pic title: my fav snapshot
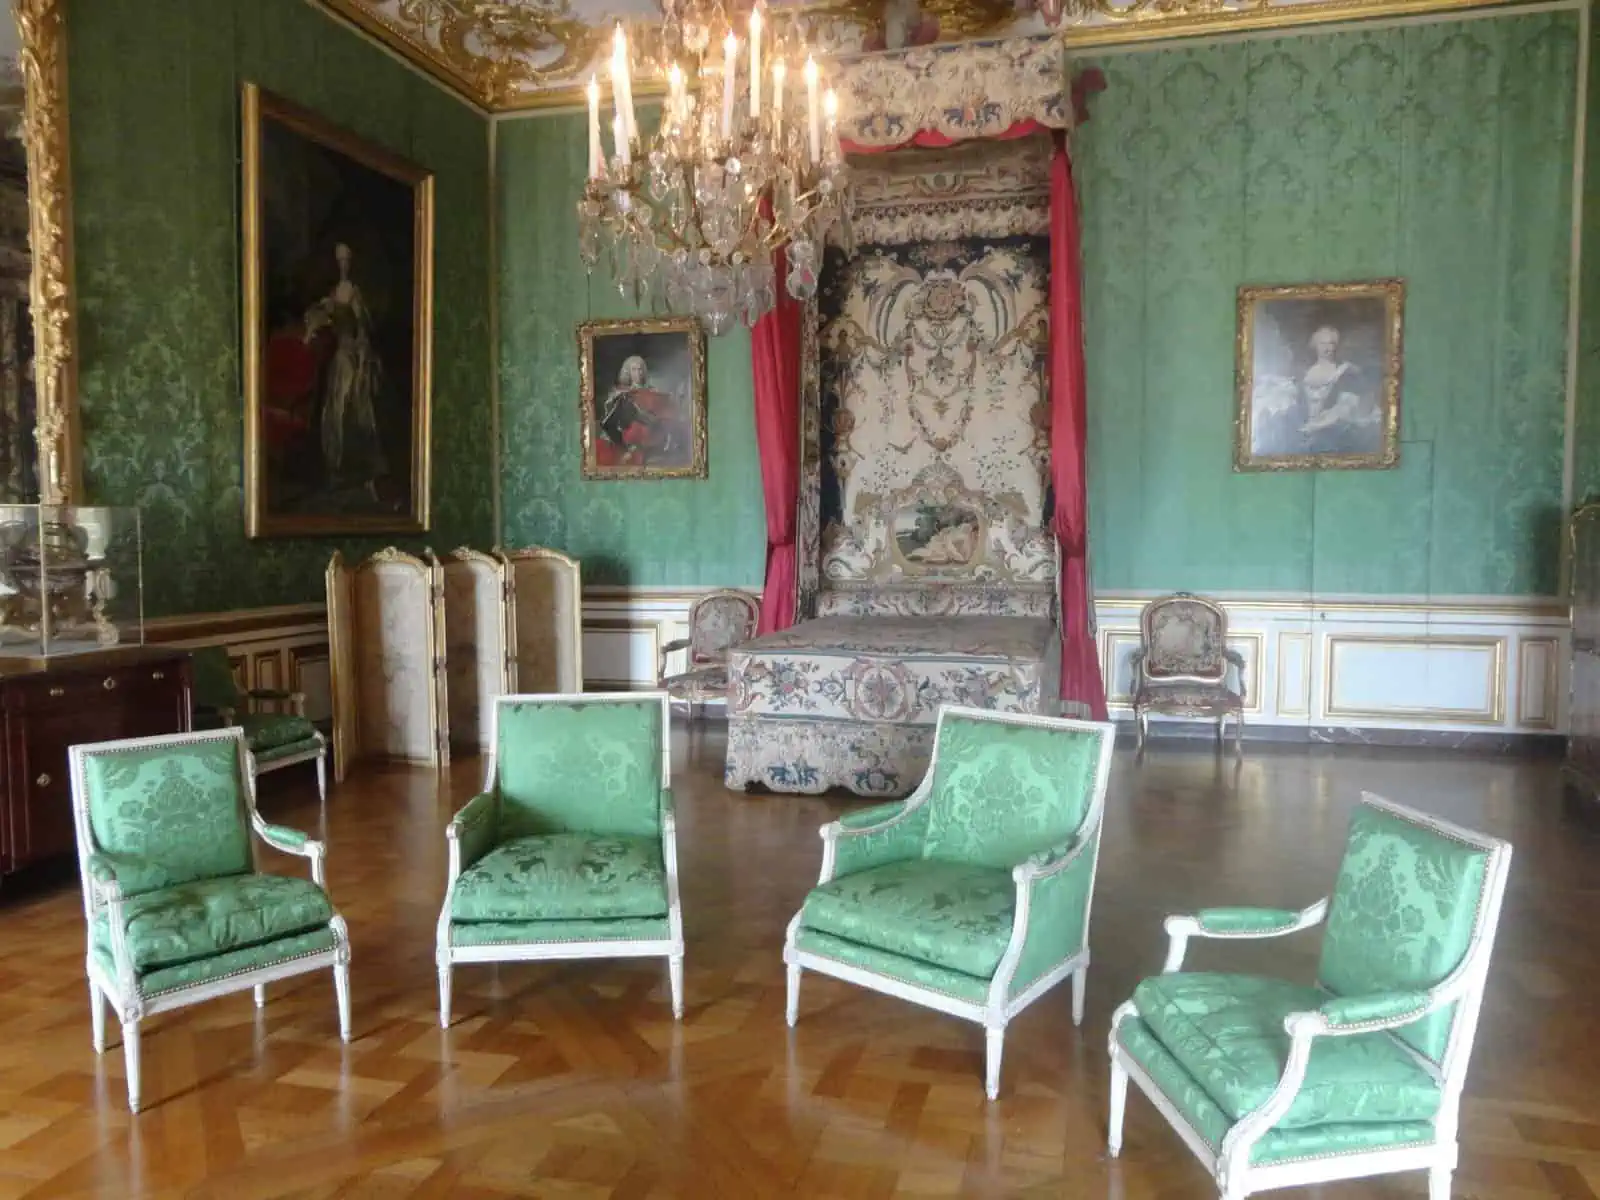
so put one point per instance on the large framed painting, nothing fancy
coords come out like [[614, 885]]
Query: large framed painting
[[643, 392], [1319, 376], [338, 328]]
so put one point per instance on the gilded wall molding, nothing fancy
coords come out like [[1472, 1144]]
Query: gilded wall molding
[[538, 53], [42, 26]]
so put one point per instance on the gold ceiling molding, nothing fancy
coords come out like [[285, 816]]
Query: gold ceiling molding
[[513, 55], [43, 60]]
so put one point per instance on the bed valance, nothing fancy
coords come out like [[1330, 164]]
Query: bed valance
[[936, 96]]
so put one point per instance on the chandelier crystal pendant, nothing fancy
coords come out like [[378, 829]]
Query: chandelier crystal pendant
[[694, 214]]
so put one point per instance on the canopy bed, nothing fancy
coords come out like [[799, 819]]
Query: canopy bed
[[928, 526]]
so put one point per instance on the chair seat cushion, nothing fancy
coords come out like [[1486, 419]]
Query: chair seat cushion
[[700, 685], [564, 877], [1187, 697], [1226, 1031], [952, 915], [207, 917], [268, 731]]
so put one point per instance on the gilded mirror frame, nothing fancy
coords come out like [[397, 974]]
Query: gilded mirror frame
[[41, 25]]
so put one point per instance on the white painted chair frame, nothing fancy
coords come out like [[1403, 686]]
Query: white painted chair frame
[[997, 1012], [670, 948], [320, 754], [1230, 1163], [122, 990]]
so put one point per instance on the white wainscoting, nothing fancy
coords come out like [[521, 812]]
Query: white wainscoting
[[1457, 664], [1490, 664]]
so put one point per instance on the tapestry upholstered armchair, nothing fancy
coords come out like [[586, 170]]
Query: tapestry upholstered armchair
[[1272, 1084], [274, 722], [570, 850], [1181, 665], [972, 895], [718, 621], [177, 912]]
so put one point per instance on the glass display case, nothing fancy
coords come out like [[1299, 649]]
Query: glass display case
[[70, 579]]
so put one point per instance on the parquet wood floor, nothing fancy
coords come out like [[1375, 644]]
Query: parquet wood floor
[[573, 1080]]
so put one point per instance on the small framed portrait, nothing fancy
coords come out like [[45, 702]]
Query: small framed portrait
[[1319, 376], [643, 386]]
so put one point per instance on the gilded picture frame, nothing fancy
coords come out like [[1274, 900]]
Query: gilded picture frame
[[642, 398], [1318, 373], [337, 328]]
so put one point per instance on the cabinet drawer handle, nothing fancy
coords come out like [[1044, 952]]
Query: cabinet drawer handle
[[43, 781], [158, 674], [109, 683], [58, 691]]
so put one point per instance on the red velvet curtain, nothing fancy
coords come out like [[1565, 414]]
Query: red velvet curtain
[[775, 360], [1081, 685]]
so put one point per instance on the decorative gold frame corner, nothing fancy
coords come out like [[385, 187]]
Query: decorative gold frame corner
[[587, 332], [1393, 293], [41, 25], [256, 107]]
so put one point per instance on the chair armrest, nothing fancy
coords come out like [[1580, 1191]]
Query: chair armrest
[[1054, 890], [1236, 923], [671, 647], [471, 834], [103, 878], [107, 897], [873, 837], [292, 841], [1374, 1010], [1056, 858], [224, 713]]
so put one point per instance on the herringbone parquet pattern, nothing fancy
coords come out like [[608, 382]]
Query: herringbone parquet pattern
[[573, 1081]]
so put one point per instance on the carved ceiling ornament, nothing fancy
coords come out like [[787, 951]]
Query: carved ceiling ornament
[[506, 55]]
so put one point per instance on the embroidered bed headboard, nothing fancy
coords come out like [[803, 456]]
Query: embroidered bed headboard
[[925, 416]]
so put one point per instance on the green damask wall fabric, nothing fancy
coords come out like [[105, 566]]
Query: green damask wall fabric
[[643, 533], [1441, 153], [155, 152], [1586, 424]]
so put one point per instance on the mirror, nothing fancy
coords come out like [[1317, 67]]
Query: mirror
[[19, 449]]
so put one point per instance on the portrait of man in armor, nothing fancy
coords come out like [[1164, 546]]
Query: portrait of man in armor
[[644, 399]]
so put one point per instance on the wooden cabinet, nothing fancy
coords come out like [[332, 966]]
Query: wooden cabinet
[[66, 702]]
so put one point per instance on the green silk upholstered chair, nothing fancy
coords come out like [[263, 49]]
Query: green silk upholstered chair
[[1272, 1084], [972, 895], [570, 851], [177, 912], [274, 722]]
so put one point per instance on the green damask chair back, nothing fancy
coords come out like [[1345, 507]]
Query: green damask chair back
[[214, 685], [165, 819], [580, 766], [1403, 915], [1001, 792]]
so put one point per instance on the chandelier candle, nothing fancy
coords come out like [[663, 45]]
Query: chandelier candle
[[621, 83], [596, 156], [730, 76], [755, 63], [811, 110], [779, 70]]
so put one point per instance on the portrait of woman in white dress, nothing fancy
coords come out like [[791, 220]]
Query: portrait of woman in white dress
[[1319, 376], [339, 389]]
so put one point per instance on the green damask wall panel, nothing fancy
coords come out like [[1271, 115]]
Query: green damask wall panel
[[154, 106], [1586, 439], [1441, 153], [660, 533]]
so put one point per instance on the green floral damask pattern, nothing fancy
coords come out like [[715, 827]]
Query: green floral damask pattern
[[233, 962], [895, 966], [498, 933], [1227, 1033], [1277, 1145], [957, 916], [167, 816], [563, 877], [1402, 915], [1440, 153], [176, 925], [1002, 792], [156, 181], [593, 768], [641, 532]]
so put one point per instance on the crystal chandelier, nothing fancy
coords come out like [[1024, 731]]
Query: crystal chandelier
[[733, 173]]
